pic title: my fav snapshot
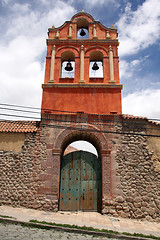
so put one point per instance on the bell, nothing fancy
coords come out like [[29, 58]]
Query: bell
[[82, 33], [68, 66], [95, 66]]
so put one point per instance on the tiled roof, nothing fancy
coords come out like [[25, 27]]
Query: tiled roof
[[18, 126], [32, 126], [126, 116]]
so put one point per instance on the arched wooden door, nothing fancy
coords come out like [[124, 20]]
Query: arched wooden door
[[80, 182]]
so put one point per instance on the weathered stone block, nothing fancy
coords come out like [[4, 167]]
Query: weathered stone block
[[151, 211], [119, 199]]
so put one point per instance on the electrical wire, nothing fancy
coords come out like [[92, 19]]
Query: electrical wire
[[82, 120], [19, 110], [18, 116], [69, 121], [42, 124], [96, 130], [56, 110]]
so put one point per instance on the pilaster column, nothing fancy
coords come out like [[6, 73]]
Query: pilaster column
[[111, 67], [94, 31], [56, 171], [106, 173], [52, 64], [57, 34], [70, 31], [82, 65], [108, 35]]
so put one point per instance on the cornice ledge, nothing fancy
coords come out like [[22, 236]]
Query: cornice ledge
[[81, 85], [52, 40]]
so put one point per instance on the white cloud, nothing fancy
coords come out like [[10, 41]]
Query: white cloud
[[128, 68], [139, 29], [24, 20], [5, 2], [21, 51], [95, 2], [90, 4], [143, 103], [45, 2], [20, 73], [20, 8]]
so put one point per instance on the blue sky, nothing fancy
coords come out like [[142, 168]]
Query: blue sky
[[23, 31]]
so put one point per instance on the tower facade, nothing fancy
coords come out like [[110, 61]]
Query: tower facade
[[81, 101], [91, 83]]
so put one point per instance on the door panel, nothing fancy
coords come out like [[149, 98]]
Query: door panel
[[80, 186]]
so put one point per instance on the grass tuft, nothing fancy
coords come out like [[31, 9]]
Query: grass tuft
[[4, 216], [95, 229]]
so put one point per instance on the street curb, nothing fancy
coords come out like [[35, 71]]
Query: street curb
[[72, 230]]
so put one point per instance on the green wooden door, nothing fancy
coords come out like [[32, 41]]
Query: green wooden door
[[80, 184]]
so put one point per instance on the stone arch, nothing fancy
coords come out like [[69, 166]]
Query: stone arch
[[100, 142], [97, 138], [67, 48], [97, 48], [84, 15]]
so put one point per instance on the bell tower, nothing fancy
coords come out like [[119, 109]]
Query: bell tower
[[82, 68]]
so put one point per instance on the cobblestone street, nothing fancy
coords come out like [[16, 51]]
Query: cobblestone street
[[88, 219], [18, 232]]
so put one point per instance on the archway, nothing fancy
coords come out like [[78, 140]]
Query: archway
[[96, 57], [82, 28], [80, 176], [67, 57]]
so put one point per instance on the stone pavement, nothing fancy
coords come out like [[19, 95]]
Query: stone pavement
[[89, 219], [17, 232]]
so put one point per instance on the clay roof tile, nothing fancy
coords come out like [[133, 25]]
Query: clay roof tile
[[18, 126]]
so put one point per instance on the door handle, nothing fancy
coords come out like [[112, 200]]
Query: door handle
[[83, 196]]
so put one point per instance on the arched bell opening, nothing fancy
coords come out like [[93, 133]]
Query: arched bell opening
[[67, 64], [82, 29], [96, 65], [80, 175]]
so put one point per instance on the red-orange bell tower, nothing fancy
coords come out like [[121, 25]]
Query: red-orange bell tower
[[91, 83]]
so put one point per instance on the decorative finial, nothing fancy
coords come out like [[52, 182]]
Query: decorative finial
[[82, 9], [112, 27], [53, 26]]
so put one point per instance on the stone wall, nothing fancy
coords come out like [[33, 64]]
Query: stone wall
[[130, 166], [138, 168], [20, 174], [153, 144]]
